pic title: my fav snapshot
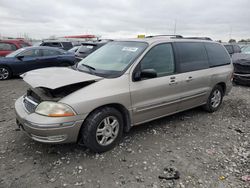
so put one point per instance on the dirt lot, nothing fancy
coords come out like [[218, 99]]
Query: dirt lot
[[208, 150]]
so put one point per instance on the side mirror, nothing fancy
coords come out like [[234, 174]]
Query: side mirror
[[145, 73], [20, 57]]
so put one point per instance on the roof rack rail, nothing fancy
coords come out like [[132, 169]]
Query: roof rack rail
[[174, 36], [198, 38]]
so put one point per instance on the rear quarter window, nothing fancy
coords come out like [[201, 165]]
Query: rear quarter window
[[192, 56], [217, 55]]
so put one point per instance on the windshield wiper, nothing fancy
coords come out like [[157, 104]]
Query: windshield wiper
[[89, 67]]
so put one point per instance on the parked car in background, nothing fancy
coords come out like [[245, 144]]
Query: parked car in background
[[232, 48], [87, 48], [246, 49], [241, 62], [8, 46], [29, 58], [122, 84], [65, 45], [242, 46], [74, 49]]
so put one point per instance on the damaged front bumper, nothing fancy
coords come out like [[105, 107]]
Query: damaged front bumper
[[242, 71], [48, 129], [242, 78]]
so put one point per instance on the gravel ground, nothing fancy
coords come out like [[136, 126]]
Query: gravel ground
[[208, 150]]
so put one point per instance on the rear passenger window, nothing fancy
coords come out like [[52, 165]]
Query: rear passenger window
[[160, 58], [217, 55], [50, 52], [192, 56]]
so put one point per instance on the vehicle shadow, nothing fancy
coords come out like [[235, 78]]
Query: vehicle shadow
[[169, 124]]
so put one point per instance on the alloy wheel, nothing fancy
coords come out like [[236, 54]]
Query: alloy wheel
[[4, 73], [216, 98], [107, 130]]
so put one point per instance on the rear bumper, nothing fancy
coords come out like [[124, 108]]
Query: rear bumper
[[47, 129]]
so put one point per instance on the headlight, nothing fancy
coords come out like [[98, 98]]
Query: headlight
[[54, 109]]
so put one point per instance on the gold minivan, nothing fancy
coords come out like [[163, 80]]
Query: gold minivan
[[123, 84]]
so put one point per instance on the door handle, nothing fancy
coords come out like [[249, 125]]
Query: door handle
[[190, 78], [172, 82]]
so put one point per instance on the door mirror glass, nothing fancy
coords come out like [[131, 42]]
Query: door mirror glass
[[145, 74], [148, 73], [20, 57]]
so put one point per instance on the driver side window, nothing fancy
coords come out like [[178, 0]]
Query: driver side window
[[31, 53], [161, 59]]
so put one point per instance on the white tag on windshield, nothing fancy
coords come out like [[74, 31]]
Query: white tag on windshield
[[130, 49]]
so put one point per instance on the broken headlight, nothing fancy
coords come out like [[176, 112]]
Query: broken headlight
[[54, 109]]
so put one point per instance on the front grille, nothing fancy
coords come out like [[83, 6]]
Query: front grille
[[29, 104]]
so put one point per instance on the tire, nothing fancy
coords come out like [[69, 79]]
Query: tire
[[5, 73], [102, 129], [214, 100]]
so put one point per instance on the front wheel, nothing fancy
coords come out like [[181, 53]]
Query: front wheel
[[214, 100], [5, 73], [103, 129]]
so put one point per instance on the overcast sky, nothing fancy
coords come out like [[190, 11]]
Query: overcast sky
[[125, 18]]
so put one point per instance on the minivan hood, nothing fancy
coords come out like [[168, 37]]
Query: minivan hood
[[56, 77]]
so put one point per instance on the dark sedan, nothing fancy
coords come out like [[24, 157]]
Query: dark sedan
[[241, 62], [29, 58]]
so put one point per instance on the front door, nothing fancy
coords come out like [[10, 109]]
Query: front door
[[155, 97], [28, 60]]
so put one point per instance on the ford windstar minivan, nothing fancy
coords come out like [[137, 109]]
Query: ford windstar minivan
[[123, 84]]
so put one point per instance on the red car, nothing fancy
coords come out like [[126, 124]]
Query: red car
[[10, 45]]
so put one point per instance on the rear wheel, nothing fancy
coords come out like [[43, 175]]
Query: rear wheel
[[103, 129], [5, 73], [214, 100]]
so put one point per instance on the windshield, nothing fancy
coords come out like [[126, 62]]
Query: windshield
[[112, 59], [15, 53], [246, 50]]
